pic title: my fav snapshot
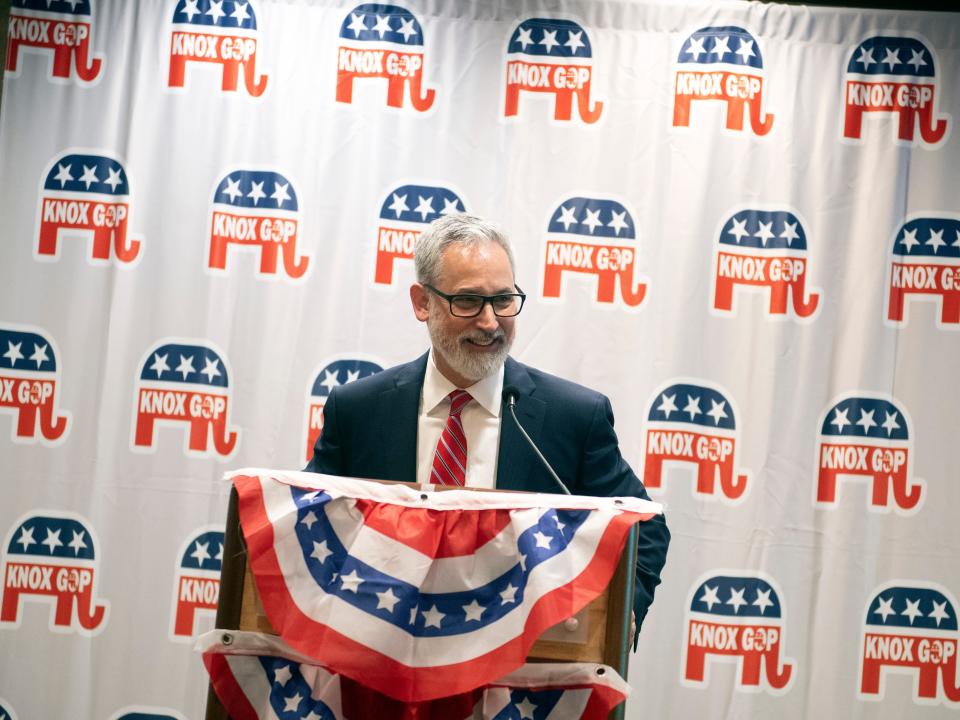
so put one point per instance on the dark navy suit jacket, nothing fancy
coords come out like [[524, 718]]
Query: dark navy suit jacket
[[370, 431]]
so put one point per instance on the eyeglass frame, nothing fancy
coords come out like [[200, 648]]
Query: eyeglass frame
[[485, 299]]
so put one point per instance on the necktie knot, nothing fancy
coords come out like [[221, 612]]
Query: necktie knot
[[458, 401]]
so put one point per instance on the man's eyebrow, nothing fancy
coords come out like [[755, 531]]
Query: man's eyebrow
[[476, 291]]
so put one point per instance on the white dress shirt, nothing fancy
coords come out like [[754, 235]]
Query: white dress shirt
[[481, 424]]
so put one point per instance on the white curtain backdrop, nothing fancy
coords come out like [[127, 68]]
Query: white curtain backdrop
[[740, 221]]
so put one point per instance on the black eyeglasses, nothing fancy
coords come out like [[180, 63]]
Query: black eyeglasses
[[468, 306]]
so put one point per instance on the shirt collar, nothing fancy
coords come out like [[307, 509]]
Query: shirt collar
[[485, 392]]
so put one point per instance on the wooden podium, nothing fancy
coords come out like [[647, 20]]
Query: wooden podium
[[599, 633]]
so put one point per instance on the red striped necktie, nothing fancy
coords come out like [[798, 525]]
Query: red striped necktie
[[450, 460]]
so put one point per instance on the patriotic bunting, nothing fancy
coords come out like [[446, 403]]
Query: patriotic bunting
[[422, 594], [258, 677]]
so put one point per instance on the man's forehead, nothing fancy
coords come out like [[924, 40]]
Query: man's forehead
[[477, 266]]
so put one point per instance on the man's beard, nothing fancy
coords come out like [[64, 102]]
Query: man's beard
[[473, 366]]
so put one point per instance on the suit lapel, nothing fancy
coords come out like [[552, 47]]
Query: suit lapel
[[398, 415], [515, 459]]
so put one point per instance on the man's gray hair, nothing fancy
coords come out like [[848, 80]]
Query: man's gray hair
[[450, 230]]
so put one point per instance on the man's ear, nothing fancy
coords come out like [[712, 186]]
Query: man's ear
[[420, 299]]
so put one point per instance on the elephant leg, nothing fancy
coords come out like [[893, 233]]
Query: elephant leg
[[870, 677], [735, 113], [723, 294], [47, 244], [344, 86], [881, 489], [395, 87], [144, 434], [681, 111], [230, 75], [750, 673], [950, 307], [778, 298], [895, 306], [905, 123], [563, 104], [102, 240], [62, 60], [10, 610], [175, 76], [707, 475], [13, 53], [268, 258], [652, 472], [217, 256], [827, 486], [606, 286], [27, 420], [696, 662], [199, 434], [551, 281]]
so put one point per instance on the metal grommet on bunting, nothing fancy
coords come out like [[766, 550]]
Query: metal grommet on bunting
[[227, 639], [618, 502], [601, 671], [423, 496]]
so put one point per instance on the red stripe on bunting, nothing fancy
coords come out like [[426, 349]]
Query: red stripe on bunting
[[462, 532], [343, 655], [227, 688]]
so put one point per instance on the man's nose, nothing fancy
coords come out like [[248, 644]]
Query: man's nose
[[487, 319]]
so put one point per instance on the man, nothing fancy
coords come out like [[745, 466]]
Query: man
[[413, 422]]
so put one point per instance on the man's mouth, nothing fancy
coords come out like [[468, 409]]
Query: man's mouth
[[484, 342]]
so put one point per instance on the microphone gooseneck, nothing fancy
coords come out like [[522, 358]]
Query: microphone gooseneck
[[510, 395]]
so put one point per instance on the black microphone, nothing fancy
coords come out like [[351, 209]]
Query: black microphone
[[510, 395]]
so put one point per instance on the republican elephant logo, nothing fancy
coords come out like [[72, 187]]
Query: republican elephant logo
[[722, 64], [868, 437], [62, 28], [257, 211], [383, 41], [889, 74], [29, 385], [594, 237], [405, 213], [333, 373], [216, 32], [197, 587], [925, 266], [185, 383], [737, 618], [87, 196], [764, 251], [553, 57], [50, 557], [692, 423], [911, 627]]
